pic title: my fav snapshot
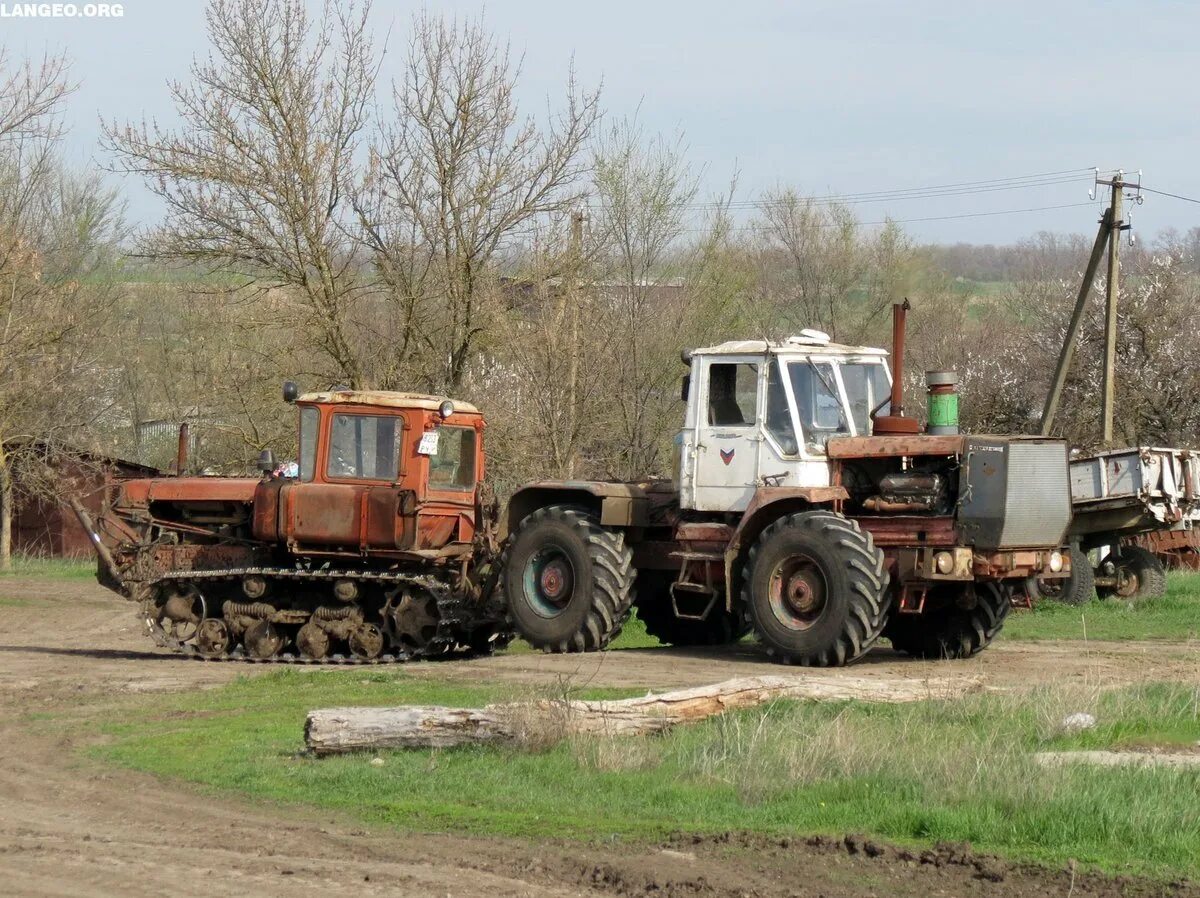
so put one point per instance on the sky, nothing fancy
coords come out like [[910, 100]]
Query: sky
[[840, 98]]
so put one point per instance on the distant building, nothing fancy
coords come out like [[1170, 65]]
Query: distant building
[[45, 527]]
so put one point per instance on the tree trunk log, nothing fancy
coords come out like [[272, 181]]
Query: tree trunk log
[[339, 730]]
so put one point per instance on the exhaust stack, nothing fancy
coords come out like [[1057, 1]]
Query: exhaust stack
[[894, 423]]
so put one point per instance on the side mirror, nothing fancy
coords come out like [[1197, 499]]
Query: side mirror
[[266, 461], [684, 386], [291, 391]]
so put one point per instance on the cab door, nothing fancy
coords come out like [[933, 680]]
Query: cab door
[[354, 498], [453, 466], [724, 450]]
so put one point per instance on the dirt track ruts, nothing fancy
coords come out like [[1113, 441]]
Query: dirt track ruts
[[71, 826]]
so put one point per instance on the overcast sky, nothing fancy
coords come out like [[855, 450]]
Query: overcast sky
[[831, 97]]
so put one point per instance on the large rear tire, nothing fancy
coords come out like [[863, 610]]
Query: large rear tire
[[569, 582], [949, 631], [1140, 575], [816, 589], [655, 611]]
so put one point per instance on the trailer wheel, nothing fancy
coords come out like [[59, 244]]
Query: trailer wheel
[[569, 582], [953, 629], [816, 589], [1140, 575], [1076, 589], [654, 610]]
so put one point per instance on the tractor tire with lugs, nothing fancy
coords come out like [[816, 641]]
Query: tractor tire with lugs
[[949, 631], [569, 581], [815, 589], [1077, 589]]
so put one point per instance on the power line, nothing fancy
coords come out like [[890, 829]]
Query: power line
[[1186, 199], [962, 188], [885, 221]]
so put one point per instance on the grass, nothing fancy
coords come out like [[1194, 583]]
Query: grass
[[51, 568], [1175, 616], [939, 770]]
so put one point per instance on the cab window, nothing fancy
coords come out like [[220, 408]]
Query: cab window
[[310, 418], [364, 447], [779, 413], [818, 404], [867, 388], [452, 467], [732, 394]]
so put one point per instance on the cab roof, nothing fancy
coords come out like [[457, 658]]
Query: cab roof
[[807, 342], [387, 399]]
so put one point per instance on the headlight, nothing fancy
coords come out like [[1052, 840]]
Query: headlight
[[944, 562], [446, 409], [1056, 564]]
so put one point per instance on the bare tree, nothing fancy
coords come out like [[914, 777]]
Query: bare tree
[[54, 304], [460, 171], [256, 180], [817, 267], [644, 185]]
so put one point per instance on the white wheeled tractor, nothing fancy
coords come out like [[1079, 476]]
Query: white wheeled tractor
[[808, 508]]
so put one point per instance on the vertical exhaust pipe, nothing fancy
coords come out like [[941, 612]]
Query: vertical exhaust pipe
[[899, 323], [894, 423]]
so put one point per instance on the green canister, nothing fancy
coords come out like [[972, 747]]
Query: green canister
[[942, 389]]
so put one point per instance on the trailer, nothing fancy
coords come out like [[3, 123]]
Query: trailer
[[1126, 503]]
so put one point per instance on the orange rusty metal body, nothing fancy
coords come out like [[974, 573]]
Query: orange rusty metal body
[[408, 515]]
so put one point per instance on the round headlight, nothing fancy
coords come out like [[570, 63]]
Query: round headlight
[[944, 562], [446, 409], [1056, 563]]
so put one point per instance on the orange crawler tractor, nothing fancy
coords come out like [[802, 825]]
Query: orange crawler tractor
[[808, 509], [371, 552]]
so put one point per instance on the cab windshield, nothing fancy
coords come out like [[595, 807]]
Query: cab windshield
[[831, 399]]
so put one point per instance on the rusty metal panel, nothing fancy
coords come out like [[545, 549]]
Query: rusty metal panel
[[266, 520], [323, 513], [703, 531], [910, 530], [435, 530], [174, 489], [894, 447]]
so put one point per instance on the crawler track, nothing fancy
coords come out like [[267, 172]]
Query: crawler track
[[455, 617]]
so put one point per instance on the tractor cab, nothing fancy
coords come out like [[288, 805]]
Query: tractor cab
[[760, 413], [379, 473]]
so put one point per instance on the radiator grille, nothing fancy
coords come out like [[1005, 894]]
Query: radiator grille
[[1037, 503]]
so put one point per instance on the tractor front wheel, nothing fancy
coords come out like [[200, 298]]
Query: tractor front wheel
[[569, 582], [816, 589], [959, 621]]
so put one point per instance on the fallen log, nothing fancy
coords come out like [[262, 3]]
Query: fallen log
[[330, 731]]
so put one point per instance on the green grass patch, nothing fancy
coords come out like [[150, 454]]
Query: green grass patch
[[51, 568], [914, 773], [1175, 616]]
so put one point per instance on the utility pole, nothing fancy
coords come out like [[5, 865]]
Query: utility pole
[[1110, 307], [1109, 233], [577, 219]]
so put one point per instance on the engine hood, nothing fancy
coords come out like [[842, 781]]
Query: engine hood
[[143, 491]]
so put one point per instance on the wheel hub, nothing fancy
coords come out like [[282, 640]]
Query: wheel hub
[[554, 580], [549, 581], [797, 592]]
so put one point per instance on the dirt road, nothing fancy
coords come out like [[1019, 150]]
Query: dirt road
[[70, 826]]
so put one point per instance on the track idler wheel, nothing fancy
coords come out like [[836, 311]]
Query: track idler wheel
[[263, 640], [366, 642], [212, 638], [313, 641], [414, 620]]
